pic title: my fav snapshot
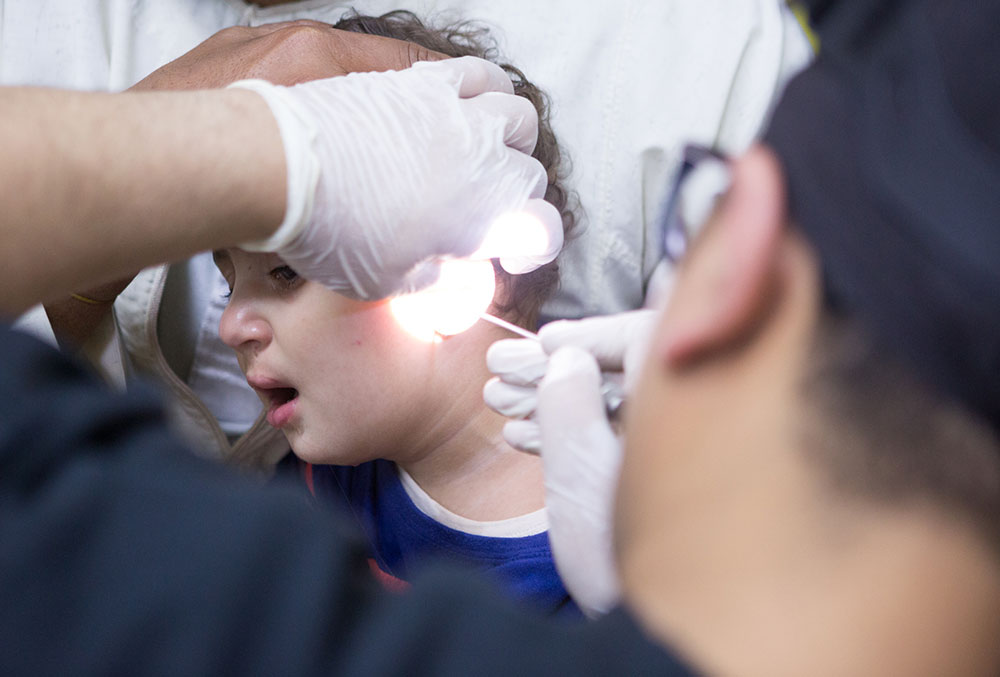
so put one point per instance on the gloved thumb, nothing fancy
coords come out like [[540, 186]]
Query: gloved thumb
[[582, 459], [618, 342], [572, 416]]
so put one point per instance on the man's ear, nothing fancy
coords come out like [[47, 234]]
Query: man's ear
[[726, 280]]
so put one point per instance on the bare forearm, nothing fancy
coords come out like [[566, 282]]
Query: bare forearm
[[75, 318], [95, 186]]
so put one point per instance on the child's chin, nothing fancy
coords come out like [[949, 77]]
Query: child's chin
[[321, 454]]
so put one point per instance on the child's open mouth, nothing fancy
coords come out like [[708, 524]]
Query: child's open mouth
[[282, 405]]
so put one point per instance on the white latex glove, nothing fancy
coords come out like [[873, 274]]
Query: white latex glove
[[387, 171], [618, 343], [560, 412], [582, 458], [519, 366]]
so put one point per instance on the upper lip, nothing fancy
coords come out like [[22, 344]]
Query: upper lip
[[269, 389]]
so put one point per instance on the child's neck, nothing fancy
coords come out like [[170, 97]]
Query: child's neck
[[460, 459]]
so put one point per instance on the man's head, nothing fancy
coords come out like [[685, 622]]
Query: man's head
[[894, 184], [813, 439]]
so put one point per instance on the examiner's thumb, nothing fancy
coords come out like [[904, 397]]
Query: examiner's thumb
[[570, 405], [582, 459], [581, 453]]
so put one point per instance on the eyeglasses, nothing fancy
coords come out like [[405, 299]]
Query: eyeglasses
[[703, 177]]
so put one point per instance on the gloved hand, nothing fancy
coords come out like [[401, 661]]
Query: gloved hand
[[390, 170], [561, 413], [618, 343], [582, 458]]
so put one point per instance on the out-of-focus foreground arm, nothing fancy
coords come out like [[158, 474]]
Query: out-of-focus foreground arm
[[191, 569], [158, 175]]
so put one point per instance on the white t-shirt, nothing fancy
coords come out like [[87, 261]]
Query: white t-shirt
[[529, 524]]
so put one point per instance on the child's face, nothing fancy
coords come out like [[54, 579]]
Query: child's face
[[337, 376]]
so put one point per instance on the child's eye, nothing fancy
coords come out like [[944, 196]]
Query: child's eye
[[284, 274]]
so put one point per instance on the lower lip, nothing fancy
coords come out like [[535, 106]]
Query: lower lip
[[279, 416]]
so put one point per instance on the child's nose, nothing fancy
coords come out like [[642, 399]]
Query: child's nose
[[243, 328]]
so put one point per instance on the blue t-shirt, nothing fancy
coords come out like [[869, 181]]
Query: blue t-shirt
[[403, 538]]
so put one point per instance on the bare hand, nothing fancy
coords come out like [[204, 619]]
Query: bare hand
[[283, 53]]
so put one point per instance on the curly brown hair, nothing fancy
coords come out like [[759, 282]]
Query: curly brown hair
[[527, 292]]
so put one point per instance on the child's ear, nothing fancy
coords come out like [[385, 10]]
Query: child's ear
[[725, 282], [504, 295]]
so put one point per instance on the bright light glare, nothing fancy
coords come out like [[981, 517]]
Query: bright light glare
[[451, 305], [513, 235]]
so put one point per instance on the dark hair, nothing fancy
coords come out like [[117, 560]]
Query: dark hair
[[880, 434], [465, 38]]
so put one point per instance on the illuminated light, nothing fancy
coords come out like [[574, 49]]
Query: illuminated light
[[463, 291], [515, 234]]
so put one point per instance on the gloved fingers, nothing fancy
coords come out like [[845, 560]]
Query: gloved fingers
[[582, 460], [523, 435], [531, 229], [535, 179], [520, 117], [550, 223], [570, 392], [421, 276], [524, 240], [510, 400], [519, 362], [367, 287], [346, 139], [578, 443], [470, 75], [608, 338]]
